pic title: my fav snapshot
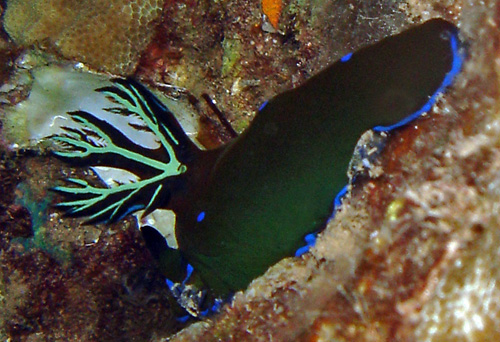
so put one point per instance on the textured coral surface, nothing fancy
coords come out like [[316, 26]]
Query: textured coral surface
[[412, 256], [107, 34]]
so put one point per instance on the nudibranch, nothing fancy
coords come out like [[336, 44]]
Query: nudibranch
[[242, 207]]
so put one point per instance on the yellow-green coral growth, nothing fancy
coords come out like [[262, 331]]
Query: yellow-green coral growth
[[106, 34]]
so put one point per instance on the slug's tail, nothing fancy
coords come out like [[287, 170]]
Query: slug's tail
[[158, 172]]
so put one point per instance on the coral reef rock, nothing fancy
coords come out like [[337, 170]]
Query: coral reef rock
[[106, 34]]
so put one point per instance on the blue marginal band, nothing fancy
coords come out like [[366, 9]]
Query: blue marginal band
[[456, 66], [130, 210], [310, 239], [263, 105], [201, 216], [346, 57]]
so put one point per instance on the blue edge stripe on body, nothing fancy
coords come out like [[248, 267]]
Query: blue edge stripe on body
[[310, 239], [456, 66]]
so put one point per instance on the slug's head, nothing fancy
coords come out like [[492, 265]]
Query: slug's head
[[399, 78]]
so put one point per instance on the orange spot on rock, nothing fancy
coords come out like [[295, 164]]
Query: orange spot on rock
[[272, 9]]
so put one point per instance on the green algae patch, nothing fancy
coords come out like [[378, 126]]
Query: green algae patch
[[232, 54], [15, 127], [39, 217], [394, 209]]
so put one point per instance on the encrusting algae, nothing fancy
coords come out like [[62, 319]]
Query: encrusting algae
[[106, 34]]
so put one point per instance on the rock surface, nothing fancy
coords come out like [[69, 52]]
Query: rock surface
[[412, 255]]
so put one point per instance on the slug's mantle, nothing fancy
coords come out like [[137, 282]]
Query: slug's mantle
[[243, 207]]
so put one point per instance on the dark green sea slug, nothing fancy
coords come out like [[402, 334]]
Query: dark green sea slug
[[244, 206]]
